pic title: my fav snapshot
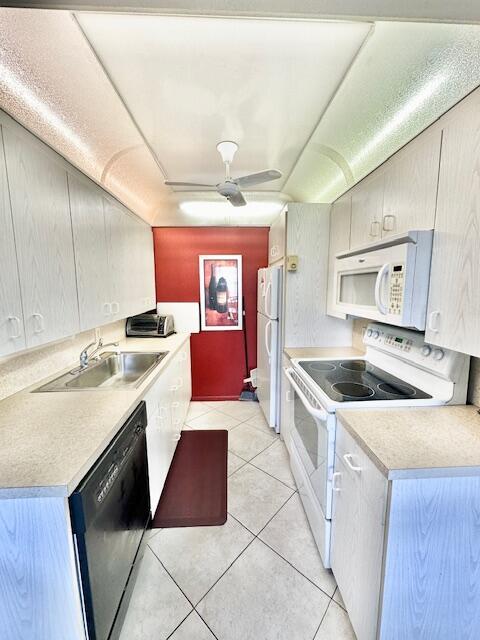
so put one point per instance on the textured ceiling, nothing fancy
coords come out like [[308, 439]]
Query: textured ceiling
[[261, 83], [52, 83], [406, 76], [275, 86]]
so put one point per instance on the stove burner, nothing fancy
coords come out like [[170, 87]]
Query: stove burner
[[354, 365], [401, 390], [321, 366], [353, 389]]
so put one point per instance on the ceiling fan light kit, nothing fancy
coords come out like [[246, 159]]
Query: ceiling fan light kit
[[230, 188]]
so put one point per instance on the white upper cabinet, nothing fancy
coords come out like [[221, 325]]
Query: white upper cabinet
[[411, 179], [91, 258], [119, 265], [367, 210], [453, 319], [44, 243], [277, 238], [12, 335], [340, 218]]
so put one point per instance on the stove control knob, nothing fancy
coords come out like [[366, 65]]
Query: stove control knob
[[426, 350], [438, 354], [369, 333], [376, 334]]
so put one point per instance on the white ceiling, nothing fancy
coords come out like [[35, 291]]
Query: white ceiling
[[135, 99], [192, 82]]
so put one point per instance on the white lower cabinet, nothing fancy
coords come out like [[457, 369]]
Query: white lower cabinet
[[167, 405], [405, 551], [358, 529]]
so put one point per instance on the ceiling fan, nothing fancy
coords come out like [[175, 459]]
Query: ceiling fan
[[230, 188]]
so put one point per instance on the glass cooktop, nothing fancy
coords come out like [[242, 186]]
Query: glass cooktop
[[358, 380]]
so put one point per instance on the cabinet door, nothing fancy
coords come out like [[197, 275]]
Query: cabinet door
[[142, 276], [357, 538], [277, 238], [453, 319], [119, 266], [411, 179], [340, 219], [43, 236], [12, 334], [147, 262], [367, 210], [91, 258], [160, 443]]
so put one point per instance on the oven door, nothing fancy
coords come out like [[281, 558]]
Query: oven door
[[313, 438]]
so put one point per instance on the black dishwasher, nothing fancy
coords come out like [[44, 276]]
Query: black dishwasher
[[110, 510]]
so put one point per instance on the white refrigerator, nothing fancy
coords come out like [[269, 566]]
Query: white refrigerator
[[269, 306]]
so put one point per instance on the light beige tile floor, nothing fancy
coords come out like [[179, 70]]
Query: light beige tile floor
[[259, 577]]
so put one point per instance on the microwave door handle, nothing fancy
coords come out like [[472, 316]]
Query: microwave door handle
[[378, 289]]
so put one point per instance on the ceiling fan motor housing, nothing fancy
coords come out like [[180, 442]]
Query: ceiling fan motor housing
[[228, 189]]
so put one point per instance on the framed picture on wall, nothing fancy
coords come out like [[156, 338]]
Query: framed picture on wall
[[221, 293]]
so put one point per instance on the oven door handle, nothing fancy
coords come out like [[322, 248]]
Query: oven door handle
[[320, 414], [378, 289]]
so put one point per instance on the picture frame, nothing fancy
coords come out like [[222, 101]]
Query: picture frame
[[221, 302]]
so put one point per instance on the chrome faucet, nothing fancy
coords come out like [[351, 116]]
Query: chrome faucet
[[85, 356]]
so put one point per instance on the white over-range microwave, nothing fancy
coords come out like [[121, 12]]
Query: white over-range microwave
[[386, 281]]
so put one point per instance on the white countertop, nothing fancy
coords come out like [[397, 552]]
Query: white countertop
[[48, 441], [418, 442]]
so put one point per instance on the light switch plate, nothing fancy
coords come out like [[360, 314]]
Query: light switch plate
[[292, 263]]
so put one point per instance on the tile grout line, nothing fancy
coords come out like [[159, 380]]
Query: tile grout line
[[323, 618], [263, 471], [255, 536], [330, 597]]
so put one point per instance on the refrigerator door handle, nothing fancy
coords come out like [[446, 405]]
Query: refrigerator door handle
[[267, 345], [268, 311]]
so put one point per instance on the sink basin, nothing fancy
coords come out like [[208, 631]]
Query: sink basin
[[110, 371]]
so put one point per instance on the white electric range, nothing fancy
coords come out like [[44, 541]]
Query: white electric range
[[398, 369]]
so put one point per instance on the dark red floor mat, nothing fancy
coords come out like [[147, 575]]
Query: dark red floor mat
[[195, 491]]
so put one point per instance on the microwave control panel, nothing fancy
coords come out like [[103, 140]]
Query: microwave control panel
[[396, 288]]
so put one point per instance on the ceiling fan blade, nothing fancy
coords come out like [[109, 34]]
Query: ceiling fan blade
[[258, 178], [170, 183], [237, 199]]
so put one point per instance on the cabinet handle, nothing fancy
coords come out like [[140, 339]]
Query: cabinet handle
[[40, 323], [348, 459], [389, 222], [107, 309], [374, 228], [433, 319], [15, 322], [336, 475], [115, 307]]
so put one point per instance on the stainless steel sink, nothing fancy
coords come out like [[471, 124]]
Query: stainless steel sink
[[110, 371]]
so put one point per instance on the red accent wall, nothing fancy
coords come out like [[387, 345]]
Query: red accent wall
[[218, 362]]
